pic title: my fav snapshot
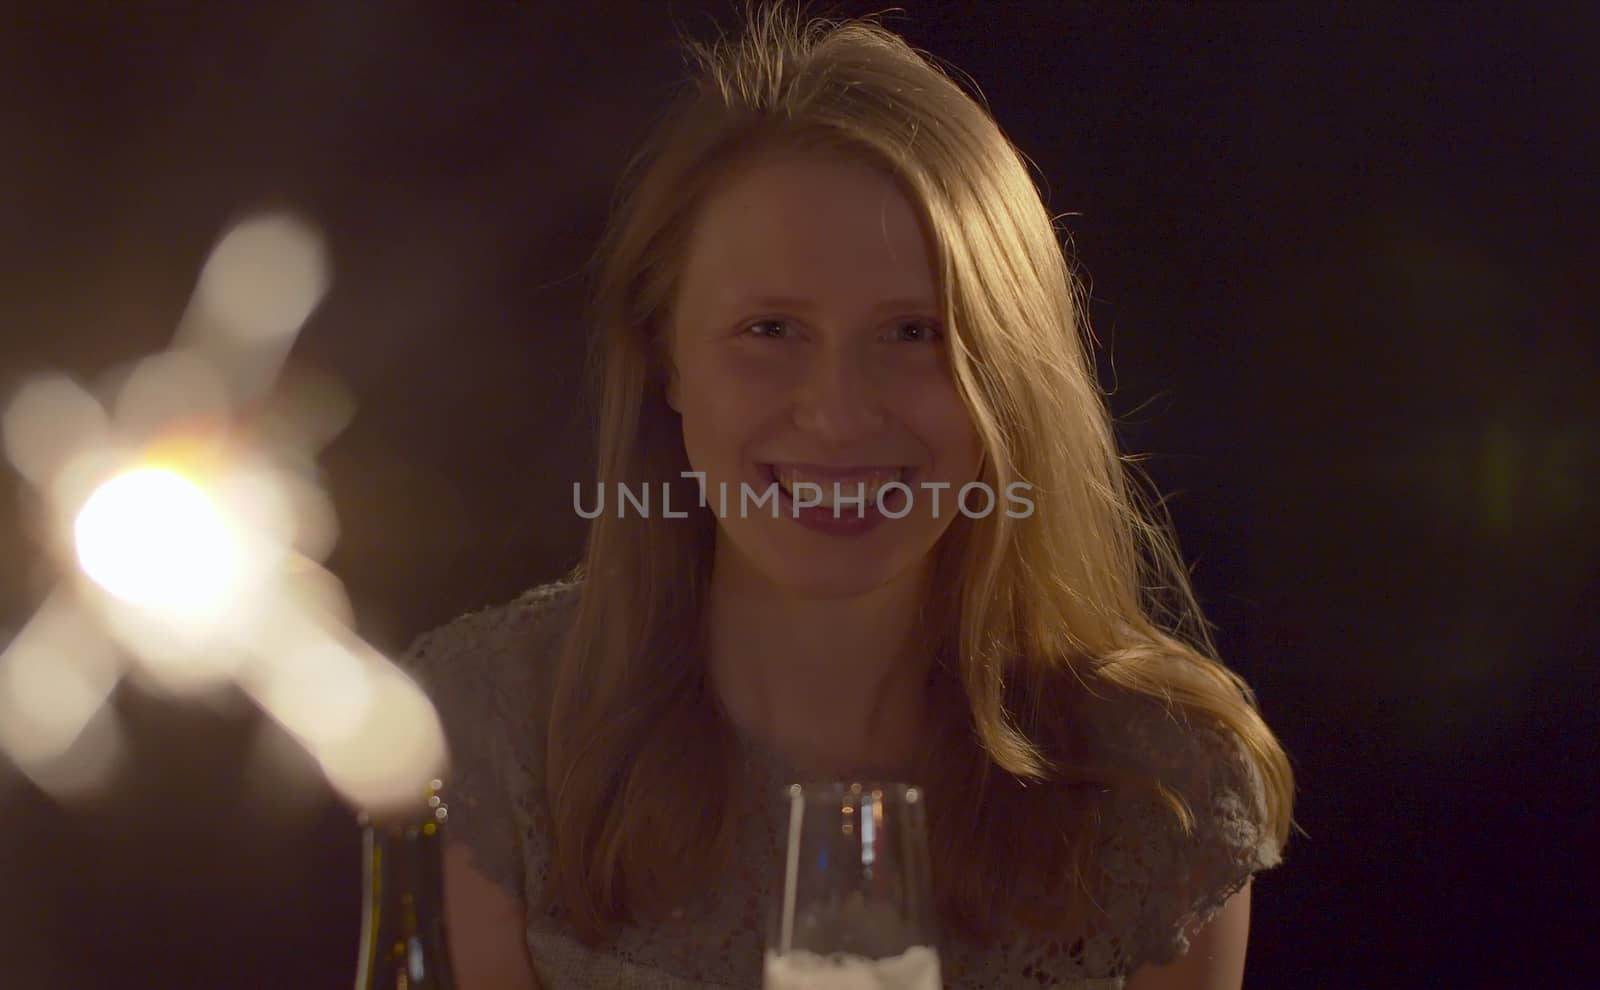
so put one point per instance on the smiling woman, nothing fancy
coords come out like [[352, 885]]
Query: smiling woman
[[839, 395], [831, 267]]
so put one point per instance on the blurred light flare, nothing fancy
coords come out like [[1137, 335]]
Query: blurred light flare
[[87, 767], [45, 699], [261, 282], [154, 539], [194, 519], [320, 692], [264, 278], [163, 392], [50, 420]]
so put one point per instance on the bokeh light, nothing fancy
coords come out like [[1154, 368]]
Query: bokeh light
[[193, 525], [264, 278], [54, 677], [164, 391], [49, 421], [261, 282], [153, 539]]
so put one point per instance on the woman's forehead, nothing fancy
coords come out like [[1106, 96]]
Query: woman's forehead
[[793, 227]]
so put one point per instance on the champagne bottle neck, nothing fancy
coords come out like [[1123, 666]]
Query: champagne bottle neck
[[403, 936]]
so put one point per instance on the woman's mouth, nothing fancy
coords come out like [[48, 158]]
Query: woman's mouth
[[828, 487]]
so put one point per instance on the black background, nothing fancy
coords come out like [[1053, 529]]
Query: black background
[[1342, 260]]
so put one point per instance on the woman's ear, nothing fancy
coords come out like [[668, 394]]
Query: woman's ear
[[672, 387], [669, 369]]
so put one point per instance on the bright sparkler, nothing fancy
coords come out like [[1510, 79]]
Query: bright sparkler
[[197, 538], [155, 540]]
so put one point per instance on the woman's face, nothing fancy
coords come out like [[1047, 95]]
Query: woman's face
[[806, 347]]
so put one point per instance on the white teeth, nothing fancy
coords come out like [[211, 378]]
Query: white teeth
[[868, 484]]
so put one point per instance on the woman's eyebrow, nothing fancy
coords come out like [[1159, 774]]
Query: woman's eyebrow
[[801, 305]]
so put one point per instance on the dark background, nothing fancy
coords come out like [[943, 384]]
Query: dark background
[[1343, 262]]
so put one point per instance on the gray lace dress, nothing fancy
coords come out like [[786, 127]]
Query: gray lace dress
[[485, 672]]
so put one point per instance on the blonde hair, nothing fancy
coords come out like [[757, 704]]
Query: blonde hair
[[1085, 598]]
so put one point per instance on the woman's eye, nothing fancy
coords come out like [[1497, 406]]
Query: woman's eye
[[917, 330], [766, 328]]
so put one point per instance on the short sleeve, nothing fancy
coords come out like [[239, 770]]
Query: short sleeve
[[1161, 884], [482, 672]]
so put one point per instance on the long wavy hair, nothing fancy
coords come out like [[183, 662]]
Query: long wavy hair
[[1086, 598]]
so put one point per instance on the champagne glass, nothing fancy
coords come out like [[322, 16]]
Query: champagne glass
[[856, 903]]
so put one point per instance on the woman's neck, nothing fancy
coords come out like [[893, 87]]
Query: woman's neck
[[834, 686]]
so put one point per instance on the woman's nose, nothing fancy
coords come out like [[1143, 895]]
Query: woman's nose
[[839, 398]]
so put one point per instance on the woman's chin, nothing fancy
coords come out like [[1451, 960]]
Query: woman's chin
[[835, 575], [819, 565]]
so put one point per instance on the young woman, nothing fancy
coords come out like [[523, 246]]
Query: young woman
[[830, 265]]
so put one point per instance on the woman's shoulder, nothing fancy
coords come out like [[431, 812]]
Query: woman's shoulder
[[499, 644], [482, 671], [1169, 865], [1150, 875], [1179, 746], [492, 664], [498, 627]]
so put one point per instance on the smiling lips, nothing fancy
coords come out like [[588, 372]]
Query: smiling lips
[[851, 482]]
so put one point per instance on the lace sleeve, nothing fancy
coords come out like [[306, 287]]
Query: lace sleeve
[[1163, 885], [479, 672]]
